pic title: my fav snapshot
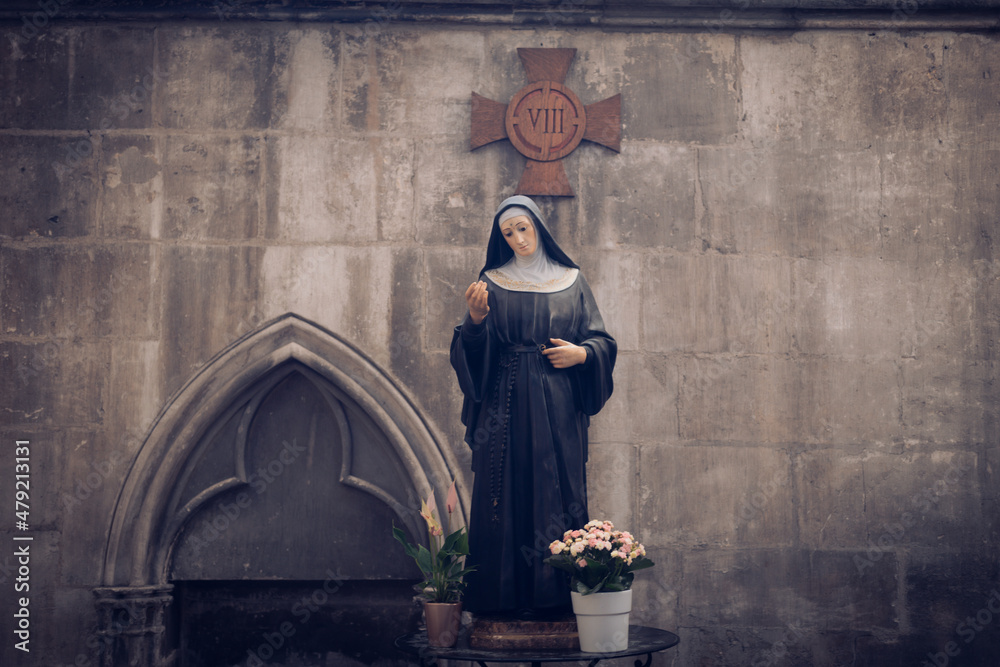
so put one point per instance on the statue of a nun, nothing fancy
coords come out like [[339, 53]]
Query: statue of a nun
[[534, 362]]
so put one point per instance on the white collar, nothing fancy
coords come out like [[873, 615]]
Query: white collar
[[535, 273]]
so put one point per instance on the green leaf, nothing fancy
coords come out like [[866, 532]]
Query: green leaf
[[584, 589], [564, 563], [594, 573], [451, 540], [462, 543], [423, 559], [400, 536], [640, 563]]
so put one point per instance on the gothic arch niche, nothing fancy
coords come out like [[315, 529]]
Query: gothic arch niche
[[261, 502]]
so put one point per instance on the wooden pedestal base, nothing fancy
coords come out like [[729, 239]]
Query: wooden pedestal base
[[510, 633]]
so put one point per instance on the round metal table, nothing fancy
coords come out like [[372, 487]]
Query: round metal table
[[641, 641]]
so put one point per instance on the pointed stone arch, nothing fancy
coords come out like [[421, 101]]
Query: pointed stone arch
[[147, 519]]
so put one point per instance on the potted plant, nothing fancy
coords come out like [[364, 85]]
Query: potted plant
[[602, 562], [443, 567]]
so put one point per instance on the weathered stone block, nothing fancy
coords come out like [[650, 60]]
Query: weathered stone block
[[717, 304], [977, 180], [862, 308], [449, 274], [679, 87], [830, 486], [792, 90], [347, 290], [715, 496], [750, 208], [926, 499], [308, 78], [616, 280], [847, 401], [431, 382], [909, 102], [394, 161], [51, 186], [134, 385], [409, 315], [929, 203], [74, 640], [985, 289], [756, 646], [53, 382], [773, 588], [503, 74], [860, 648], [212, 187], [503, 166], [562, 215], [655, 591], [947, 300], [211, 295], [393, 80], [644, 197], [733, 398], [113, 98], [321, 191], [611, 472], [444, 403], [131, 198], [949, 402], [77, 291], [954, 598], [87, 487], [233, 93], [790, 400], [973, 101], [452, 208], [666, 318], [990, 490], [643, 405], [954, 604], [35, 77], [814, 88]]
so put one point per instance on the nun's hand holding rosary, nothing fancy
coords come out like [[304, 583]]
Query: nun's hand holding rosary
[[476, 297]]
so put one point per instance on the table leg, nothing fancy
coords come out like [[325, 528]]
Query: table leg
[[649, 660]]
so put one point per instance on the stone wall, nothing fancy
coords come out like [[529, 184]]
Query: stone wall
[[794, 249]]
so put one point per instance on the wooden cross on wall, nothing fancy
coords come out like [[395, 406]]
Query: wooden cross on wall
[[545, 121]]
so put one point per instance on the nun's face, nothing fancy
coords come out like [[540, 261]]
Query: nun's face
[[520, 235]]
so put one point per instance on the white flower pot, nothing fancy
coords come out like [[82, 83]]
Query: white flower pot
[[602, 620]]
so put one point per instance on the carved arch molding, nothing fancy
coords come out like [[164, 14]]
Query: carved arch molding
[[203, 450]]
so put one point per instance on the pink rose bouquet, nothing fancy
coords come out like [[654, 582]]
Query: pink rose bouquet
[[443, 563], [599, 558]]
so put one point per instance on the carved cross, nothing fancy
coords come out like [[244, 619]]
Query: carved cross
[[545, 121]]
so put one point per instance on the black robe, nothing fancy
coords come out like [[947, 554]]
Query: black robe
[[526, 423]]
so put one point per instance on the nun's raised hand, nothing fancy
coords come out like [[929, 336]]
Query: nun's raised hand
[[476, 297], [564, 354]]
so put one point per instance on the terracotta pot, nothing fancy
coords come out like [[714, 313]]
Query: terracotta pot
[[602, 620], [443, 622]]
